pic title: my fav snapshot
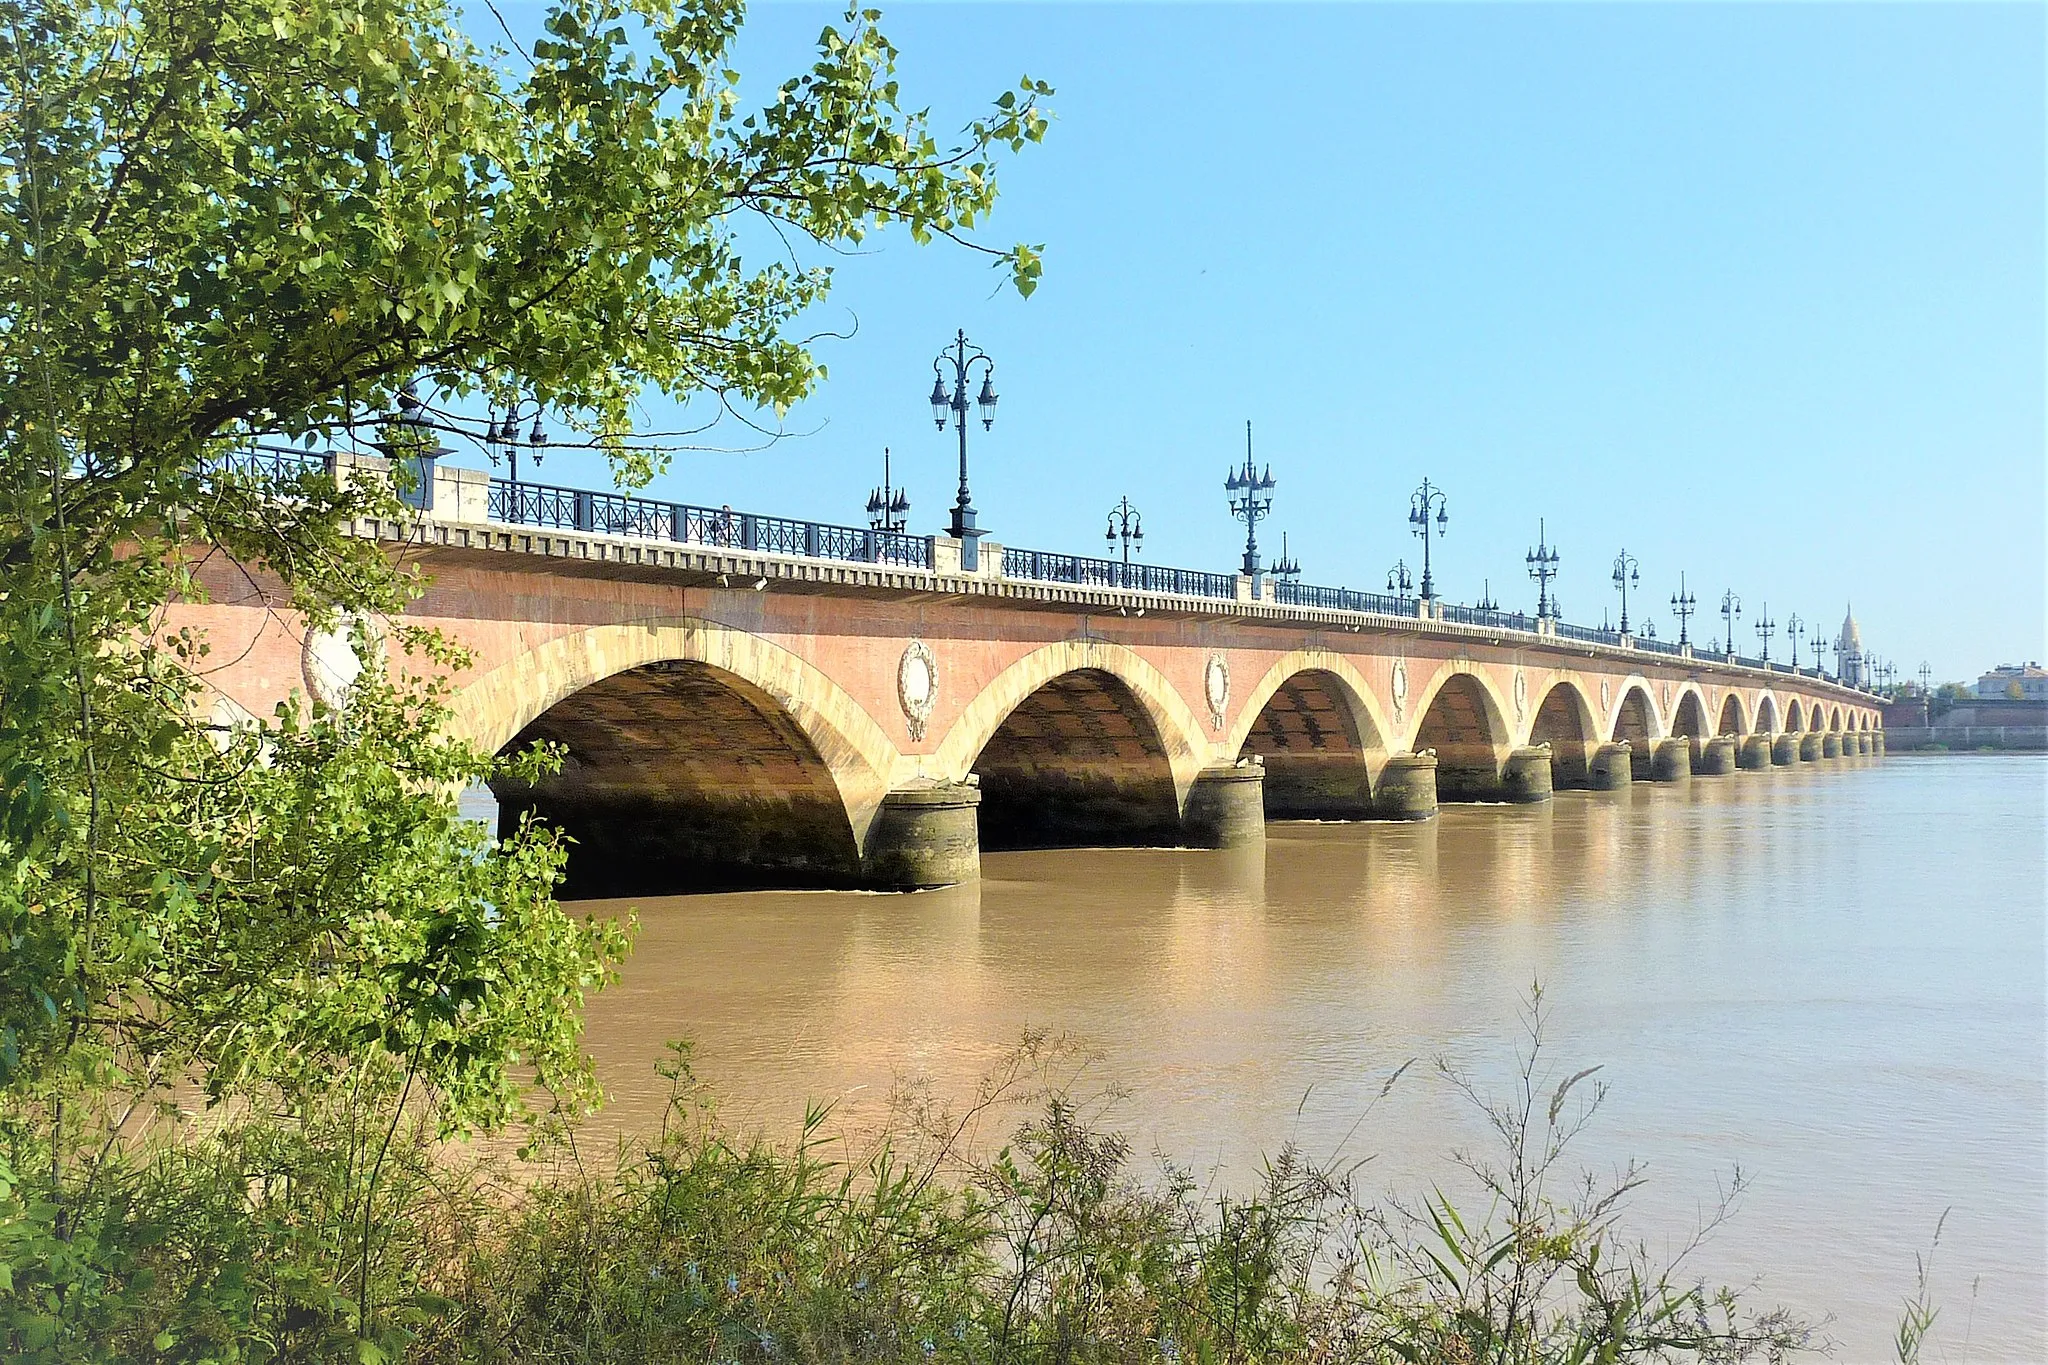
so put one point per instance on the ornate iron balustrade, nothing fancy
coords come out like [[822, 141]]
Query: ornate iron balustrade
[[1588, 634], [1291, 594], [1499, 620], [273, 463], [1046, 567], [1658, 646], [616, 514]]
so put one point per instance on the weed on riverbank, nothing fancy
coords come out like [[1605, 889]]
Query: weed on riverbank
[[266, 1243]]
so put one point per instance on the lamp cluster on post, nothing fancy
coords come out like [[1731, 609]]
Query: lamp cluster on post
[[1126, 525], [963, 356], [888, 507], [1398, 580], [501, 438], [1420, 504], [1794, 628], [1683, 605], [1627, 574], [1819, 644], [1286, 568], [1251, 501], [1542, 562], [1765, 628], [1731, 607]]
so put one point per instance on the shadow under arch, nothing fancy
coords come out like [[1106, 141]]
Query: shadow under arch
[[699, 755], [1078, 761], [1689, 721], [1766, 715], [1795, 719], [1314, 723], [1733, 721], [1463, 723], [1565, 721]]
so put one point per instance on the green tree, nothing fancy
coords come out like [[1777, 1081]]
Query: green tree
[[245, 220]]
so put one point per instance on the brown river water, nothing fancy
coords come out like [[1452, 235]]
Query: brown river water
[[1830, 976]]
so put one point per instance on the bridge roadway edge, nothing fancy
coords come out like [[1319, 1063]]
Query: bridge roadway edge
[[1391, 669]]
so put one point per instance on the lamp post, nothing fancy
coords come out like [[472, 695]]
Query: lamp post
[[501, 439], [1486, 602], [1286, 568], [1542, 562], [1819, 644], [1250, 502], [1926, 694], [1126, 525], [1683, 605], [888, 507], [1626, 573], [1419, 504], [1398, 581], [1765, 628], [1794, 628], [409, 442], [1731, 607], [963, 356]]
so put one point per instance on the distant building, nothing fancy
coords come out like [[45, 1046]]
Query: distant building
[[2014, 682], [1850, 665]]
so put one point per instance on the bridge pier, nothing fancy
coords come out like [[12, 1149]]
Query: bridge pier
[[1785, 750], [1754, 752], [1670, 760], [1226, 806], [927, 836], [1525, 778], [1863, 744], [1337, 788], [1877, 743], [1831, 745], [1810, 748], [1611, 769], [1407, 788], [1715, 757]]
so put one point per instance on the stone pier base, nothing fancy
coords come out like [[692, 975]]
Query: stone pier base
[[1831, 745], [1670, 760], [1877, 743], [1753, 752], [1716, 757], [1611, 769], [1863, 744], [1525, 777], [1407, 788], [1785, 750], [1226, 806], [928, 836], [1810, 748]]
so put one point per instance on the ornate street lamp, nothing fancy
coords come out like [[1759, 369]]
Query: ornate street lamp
[[1794, 628], [1731, 607], [1419, 504], [1126, 525], [1486, 602], [1251, 502], [963, 356], [888, 507], [1286, 568], [1765, 628], [1542, 562], [1683, 605], [1819, 644], [1626, 575], [1398, 581]]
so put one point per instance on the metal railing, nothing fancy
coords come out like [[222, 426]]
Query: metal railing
[[1567, 631], [1671, 647], [574, 509], [1497, 619], [1044, 566], [1291, 594], [277, 464]]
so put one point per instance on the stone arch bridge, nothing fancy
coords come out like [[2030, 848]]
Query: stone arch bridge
[[733, 713]]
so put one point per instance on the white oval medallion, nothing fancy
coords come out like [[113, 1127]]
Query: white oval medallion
[[1216, 688], [330, 663], [917, 686], [1521, 694], [1400, 687]]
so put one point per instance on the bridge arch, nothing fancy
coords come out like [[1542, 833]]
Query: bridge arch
[[1734, 721], [1315, 722], [1795, 719], [1079, 741], [1565, 721], [1766, 714], [1635, 717], [696, 752], [1835, 718], [1462, 718]]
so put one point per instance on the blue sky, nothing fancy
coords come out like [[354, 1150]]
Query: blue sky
[[1756, 292]]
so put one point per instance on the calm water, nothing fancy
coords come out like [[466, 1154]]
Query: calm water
[[1830, 976]]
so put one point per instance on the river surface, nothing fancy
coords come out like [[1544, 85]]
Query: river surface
[[1830, 976]]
